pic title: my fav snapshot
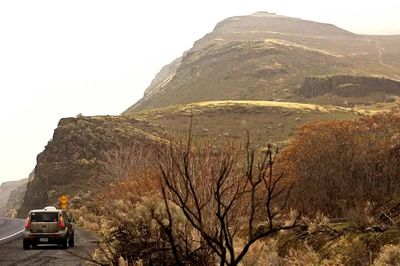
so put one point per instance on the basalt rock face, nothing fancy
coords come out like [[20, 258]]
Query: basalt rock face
[[348, 86], [70, 163]]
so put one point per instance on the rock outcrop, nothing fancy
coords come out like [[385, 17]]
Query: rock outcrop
[[14, 201], [70, 162], [10, 196], [348, 86]]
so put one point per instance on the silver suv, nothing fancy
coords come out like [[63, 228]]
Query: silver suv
[[48, 226]]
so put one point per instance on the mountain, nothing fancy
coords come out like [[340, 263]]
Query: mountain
[[268, 57]]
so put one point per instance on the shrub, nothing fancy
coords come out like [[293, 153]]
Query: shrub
[[360, 215], [133, 231], [317, 223], [133, 215], [341, 165], [262, 253], [302, 257], [306, 256], [390, 255]]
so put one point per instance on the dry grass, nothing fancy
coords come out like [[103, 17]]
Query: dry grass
[[389, 256], [288, 105], [262, 253], [268, 122], [306, 48]]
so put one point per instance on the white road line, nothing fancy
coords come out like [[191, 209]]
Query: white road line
[[7, 237]]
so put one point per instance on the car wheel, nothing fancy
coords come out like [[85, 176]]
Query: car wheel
[[34, 244], [26, 245], [71, 241]]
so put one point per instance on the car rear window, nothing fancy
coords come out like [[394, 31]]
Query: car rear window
[[44, 217]]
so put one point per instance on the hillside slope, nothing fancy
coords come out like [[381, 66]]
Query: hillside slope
[[264, 56], [267, 122]]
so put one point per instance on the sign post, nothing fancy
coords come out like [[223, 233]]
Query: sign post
[[63, 200]]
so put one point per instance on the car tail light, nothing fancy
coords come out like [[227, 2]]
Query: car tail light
[[61, 224], [28, 223]]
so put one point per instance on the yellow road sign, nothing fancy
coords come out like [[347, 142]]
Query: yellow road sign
[[63, 200]]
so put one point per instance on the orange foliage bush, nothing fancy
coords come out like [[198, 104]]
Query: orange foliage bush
[[339, 165]]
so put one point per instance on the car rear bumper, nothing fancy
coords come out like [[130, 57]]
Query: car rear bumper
[[50, 237]]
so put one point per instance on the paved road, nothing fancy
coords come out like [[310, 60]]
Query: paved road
[[10, 228], [11, 252]]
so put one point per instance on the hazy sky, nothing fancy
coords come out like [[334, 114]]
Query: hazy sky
[[61, 58]]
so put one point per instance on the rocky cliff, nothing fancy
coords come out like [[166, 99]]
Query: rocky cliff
[[70, 163], [9, 194], [14, 202], [5, 190], [348, 86]]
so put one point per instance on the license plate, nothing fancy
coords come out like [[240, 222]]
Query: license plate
[[44, 240]]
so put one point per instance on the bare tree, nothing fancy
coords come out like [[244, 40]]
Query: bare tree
[[225, 194]]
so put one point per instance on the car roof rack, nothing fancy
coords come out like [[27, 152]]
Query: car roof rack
[[50, 208]]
